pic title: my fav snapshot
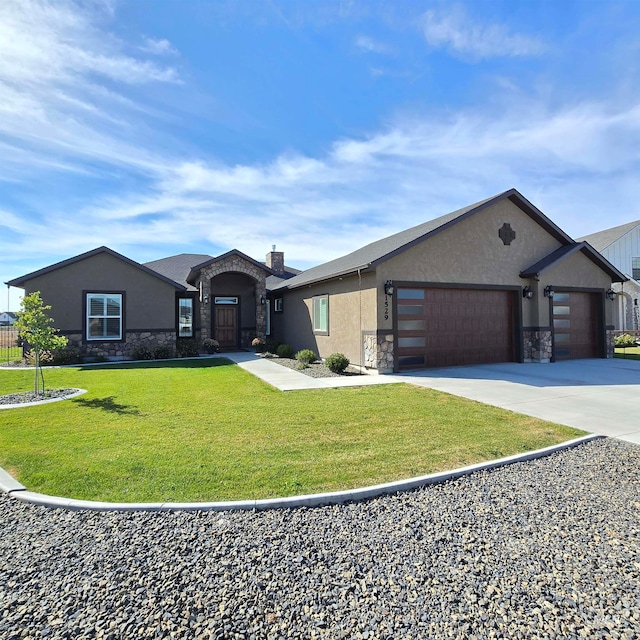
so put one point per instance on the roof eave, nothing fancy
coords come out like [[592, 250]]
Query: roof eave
[[19, 282], [542, 265], [286, 285]]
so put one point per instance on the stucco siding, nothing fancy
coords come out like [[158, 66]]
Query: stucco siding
[[346, 323], [150, 302], [577, 271], [472, 252]]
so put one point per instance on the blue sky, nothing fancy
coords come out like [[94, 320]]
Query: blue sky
[[163, 127]]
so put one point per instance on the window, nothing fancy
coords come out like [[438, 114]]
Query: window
[[185, 317], [277, 305], [635, 268], [321, 315], [104, 316], [225, 300]]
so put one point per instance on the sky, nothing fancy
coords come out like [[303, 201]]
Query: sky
[[162, 127]]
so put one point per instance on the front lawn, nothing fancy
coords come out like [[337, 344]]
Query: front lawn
[[196, 430]]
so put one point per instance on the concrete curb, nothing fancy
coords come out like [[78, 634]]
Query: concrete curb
[[24, 405], [16, 490]]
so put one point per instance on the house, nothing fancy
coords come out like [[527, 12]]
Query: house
[[496, 281], [107, 304], [8, 318], [621, 247]]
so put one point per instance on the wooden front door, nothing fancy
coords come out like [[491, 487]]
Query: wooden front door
[[226, 329]]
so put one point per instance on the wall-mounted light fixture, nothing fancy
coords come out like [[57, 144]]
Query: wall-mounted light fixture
[[262, 299], [548, 291], [389, 288], [205, 299], [611, 294], [527, 292]]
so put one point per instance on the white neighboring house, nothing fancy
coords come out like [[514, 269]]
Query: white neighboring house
[[621, 246], [7, 318]]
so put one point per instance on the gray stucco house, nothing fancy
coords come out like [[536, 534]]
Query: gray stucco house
[[496, 281]]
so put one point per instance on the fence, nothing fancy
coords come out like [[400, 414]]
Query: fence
[[9, 349]]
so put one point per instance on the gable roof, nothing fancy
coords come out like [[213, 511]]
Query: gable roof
[[602, 239], [178, 267], [193, 273], [11, 314], [379, 251], [564, 252], [19, 282]]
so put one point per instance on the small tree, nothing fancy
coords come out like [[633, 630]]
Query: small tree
[[34, 326]]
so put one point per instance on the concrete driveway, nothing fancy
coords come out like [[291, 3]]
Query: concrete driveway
[[600, 396]]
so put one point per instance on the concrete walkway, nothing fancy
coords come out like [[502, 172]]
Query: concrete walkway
[[287, 379], [599, 396]]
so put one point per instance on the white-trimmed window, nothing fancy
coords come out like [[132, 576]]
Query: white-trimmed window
[[104, 316], [321, 315], [185, 317], [635, 268]]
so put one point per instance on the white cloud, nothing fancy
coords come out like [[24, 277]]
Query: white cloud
[[53, 58], [160, 47], [453, 29], [370, 45]]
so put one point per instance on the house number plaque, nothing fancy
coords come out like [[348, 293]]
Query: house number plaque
[[386, 306]]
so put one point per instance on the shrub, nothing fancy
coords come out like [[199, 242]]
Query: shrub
[[306, 356], [142, 352], [259, 344], [268, 354], [187, 349], [46, 358], [162, 352], [69, 355], [624, 341], [284, 351], [210, 345], [337, 362]]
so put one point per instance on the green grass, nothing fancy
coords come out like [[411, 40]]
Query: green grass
[[207, 430], [630, 353], [10, 354]]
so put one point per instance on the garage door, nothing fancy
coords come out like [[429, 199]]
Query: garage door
[[449, 327], [575, 325]]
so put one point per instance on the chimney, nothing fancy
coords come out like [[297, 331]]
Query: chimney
[[275, 261]]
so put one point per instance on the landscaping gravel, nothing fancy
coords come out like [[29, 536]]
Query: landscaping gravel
[[27, 397], [543, 549], [315, 369]]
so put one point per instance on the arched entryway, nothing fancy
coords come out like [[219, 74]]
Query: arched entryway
[[233, 301]]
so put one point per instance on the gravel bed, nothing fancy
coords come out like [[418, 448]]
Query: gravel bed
[[543, 549], [316, 369], [27, 397]]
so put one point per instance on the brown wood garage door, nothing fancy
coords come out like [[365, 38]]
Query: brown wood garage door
[[449, 327], [575, 325]]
